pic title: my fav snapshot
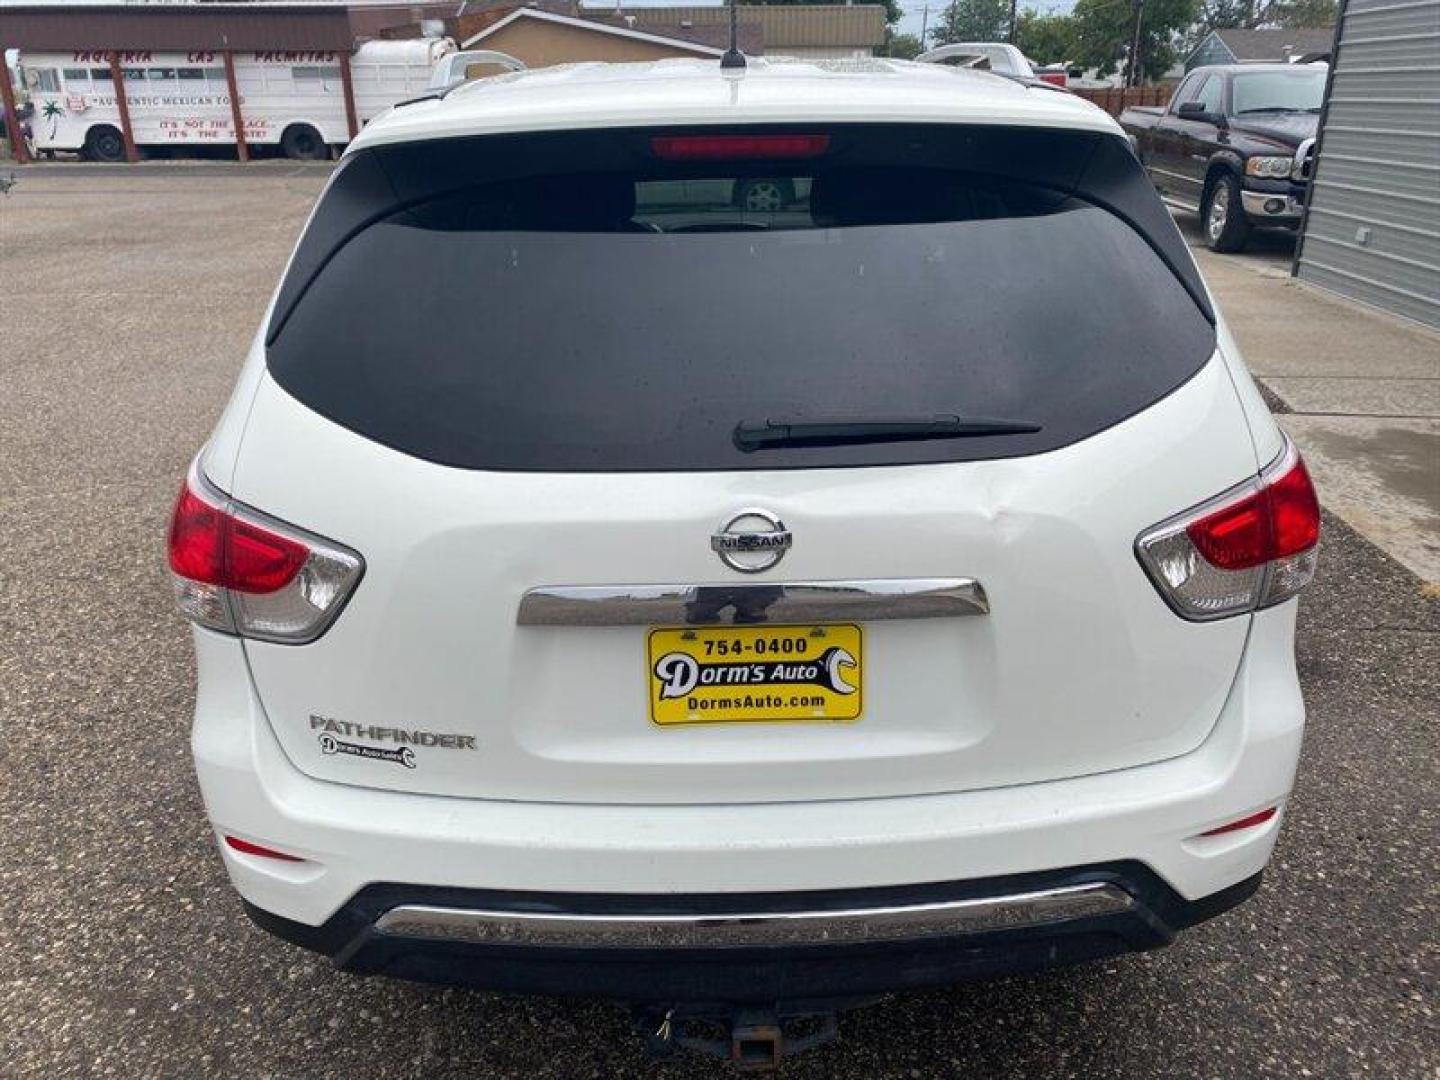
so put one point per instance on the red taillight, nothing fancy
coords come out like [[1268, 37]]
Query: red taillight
[[242, 572], [1294, 512], [737, 147], [1280, 519], [1247, 822], [197, 539], [1235, 537], [1246, 549], [245, 847], [258, 561], [212, 547]]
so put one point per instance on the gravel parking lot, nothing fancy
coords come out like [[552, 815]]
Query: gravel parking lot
[[128, 302]]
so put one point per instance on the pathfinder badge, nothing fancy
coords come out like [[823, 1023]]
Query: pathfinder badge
[[329, 728]]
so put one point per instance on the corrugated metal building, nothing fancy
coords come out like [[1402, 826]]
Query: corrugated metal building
[[1372, 231]]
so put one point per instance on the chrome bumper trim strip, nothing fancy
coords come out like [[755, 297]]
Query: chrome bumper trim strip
[[749, 603], [736, 931]]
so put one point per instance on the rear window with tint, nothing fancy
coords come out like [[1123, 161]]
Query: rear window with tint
[[629, 312]]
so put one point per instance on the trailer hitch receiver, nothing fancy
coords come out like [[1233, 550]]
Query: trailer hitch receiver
[[757, 1042], [753, 1039]]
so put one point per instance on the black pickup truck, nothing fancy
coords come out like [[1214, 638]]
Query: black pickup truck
[[1235, 145]]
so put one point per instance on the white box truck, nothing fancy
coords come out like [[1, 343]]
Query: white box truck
[[294, 100]]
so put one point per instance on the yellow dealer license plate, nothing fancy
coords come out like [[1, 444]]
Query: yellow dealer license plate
[[750, 674]]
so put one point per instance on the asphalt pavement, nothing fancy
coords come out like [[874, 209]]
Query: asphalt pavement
[[128, 302]]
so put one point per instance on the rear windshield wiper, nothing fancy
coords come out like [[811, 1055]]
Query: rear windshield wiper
[[838, 431]]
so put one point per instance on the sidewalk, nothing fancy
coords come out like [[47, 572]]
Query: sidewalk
[[1359, 392]]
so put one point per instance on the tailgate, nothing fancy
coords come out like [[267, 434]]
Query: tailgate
[[1077, 667]]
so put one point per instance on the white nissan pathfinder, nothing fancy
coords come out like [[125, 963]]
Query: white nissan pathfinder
[[606, 586]]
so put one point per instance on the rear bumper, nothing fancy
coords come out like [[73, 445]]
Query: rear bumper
[[352, 838], [761, 948]]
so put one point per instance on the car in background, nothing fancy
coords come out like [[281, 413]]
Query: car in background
[[1235, 145], [1057, 74]]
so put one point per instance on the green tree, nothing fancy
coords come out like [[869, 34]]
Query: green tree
[[1103, 29], [901, 46], [1216, 15], [973, 20], [1294, 14], [1224, 15], [1249, 14], [1049, 39], [893, 10]]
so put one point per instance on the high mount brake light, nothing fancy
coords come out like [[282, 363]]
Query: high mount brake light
[[738, 147], [1249, 548], [239, 571]]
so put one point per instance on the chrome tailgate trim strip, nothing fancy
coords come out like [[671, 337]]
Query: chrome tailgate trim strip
[[750, 603]]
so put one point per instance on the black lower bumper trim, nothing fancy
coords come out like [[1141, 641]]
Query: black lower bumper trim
[[750, 974]]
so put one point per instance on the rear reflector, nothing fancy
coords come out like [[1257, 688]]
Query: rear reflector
[[1248, 822], [239, 571], [1248, 548], [738, 147], [245, 847]]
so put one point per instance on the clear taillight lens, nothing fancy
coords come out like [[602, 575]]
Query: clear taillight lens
[[242, 572], [1248, 548]]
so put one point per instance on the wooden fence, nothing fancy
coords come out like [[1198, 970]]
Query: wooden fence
[[1116, 99]]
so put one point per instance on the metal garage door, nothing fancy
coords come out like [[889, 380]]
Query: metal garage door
[[1373, 232]]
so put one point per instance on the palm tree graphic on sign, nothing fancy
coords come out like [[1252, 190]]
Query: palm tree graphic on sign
[[52, 112]]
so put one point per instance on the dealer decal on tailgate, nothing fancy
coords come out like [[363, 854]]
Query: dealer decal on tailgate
[[707, 675]]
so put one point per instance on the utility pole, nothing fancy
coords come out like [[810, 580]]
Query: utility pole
[[1132, 77], [924, 24], [1013, 5]]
